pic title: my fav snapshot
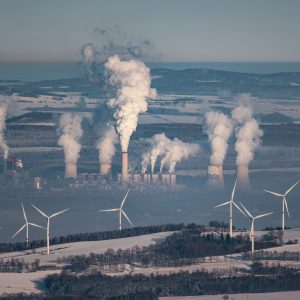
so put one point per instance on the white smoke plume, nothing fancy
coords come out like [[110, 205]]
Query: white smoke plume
[[247, 133], [133, 87], [3, 144], [219, 129], [171, 151], [106, 145], [89, 56], [70, 132]]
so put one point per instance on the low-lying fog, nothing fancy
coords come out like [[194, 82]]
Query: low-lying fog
[[194, 204]]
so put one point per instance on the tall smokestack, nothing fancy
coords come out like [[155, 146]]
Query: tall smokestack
[[70, 170], [124, 166], [243, 177]]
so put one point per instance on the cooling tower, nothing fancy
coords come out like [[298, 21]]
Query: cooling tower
[[124, 166], [243, 176], [70, 170], [215, 176], [105, 168]]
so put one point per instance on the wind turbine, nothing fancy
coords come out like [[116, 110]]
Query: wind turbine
[[26, 225], [252, 225], [121, 211], [284, 202], [230, 202], [48, 224]]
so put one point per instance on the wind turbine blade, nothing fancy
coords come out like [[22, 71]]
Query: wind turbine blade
[[19, 231], [225, 203], [123, 212], [35, 225], [248, 213], [233, 191], [286, 206], [276, 194], [124, 199], [113, 209], [260, 216], [238, 208], [42, 213], [58, 213], [24, 214], [291, 188]]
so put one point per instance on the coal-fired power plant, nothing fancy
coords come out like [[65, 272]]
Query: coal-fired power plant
[[70, 170], [124, 166]]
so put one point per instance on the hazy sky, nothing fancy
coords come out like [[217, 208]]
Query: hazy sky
[[186, 30]]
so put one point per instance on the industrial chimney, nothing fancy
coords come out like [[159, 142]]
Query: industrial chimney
[[70, 170], [243, 177], [215, 176], [105, 168], [124, 166]]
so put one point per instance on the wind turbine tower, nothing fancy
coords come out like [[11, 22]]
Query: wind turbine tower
[[231, 202], [26, 225], [120, 211], [48, 223], [252, 225], [284, 203]]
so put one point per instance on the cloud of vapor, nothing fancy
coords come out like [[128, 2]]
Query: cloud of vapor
[[247, 133], [70, 133], [219, 128], [3, 144], [171, 151], [132, 82], [106, 145], [89, 56]]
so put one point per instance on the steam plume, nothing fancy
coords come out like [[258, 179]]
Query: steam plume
[[70, 134], [132, 82], [89, 62], [106, 145], [218, 128], [247, 134], [3, 144], [171, 151]]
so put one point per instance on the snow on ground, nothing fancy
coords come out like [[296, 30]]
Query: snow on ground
[[295, 295], [23, 282], [79, 248]]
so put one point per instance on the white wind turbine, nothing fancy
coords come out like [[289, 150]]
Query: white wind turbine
[[284, 202], [252, 225], [121, 211], [26, 225], [48, 224], [230, 202]]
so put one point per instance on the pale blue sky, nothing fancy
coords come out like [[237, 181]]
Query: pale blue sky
[[186, 30]]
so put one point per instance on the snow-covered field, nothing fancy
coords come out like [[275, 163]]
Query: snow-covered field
[[259, 296], [79, 248]]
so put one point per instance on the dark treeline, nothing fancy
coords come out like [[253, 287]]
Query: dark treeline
[[96, 236], [99, 286], [18, 265], [186, 247], [273, 255]]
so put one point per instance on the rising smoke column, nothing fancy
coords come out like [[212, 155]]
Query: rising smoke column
[[106, 145], [171, 151], [3, 144], [219, 128], [132, 82], [247, 134], [70, 132], [89, 62]]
